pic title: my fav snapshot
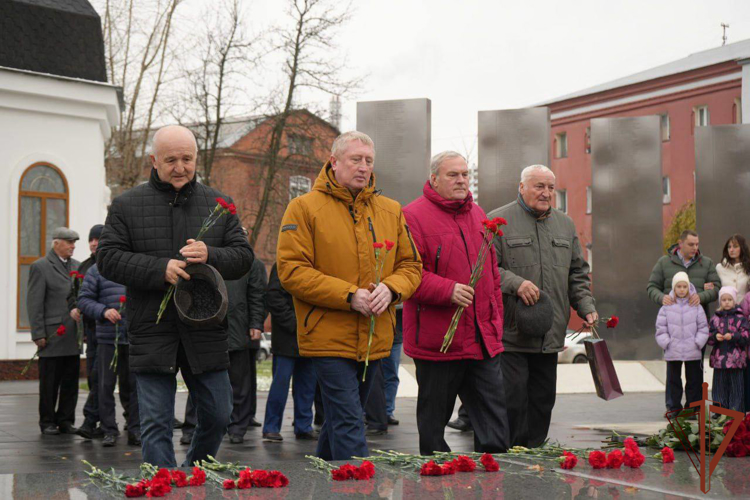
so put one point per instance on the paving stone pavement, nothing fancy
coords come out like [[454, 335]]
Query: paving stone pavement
[[36, 466]]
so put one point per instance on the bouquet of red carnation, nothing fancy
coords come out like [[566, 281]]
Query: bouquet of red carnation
[[59, 332], [221, 208], [113, 364], [379, 264], [491, 231]]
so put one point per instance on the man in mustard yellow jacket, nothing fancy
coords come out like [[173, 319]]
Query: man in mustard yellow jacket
[[326, 261]]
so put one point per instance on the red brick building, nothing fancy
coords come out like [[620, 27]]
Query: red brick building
[[702, 89]]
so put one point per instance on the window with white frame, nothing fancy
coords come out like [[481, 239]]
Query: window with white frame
[[588, 199], [561, 196], [702, 118], [299, 145], [561, 145], [665, 132], [666, 189], [298, 185]]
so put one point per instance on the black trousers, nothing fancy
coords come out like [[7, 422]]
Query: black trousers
[[480, 385], [375, 411], [107, 380], [693, 384], [531, 388], [58, 390], [243, 377], [91, 408], [320, 414]]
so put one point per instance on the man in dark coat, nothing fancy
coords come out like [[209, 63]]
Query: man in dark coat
[[54, 332], [146, 245], [287, 365], [89, 428]]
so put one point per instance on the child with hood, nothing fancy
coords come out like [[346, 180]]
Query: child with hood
[[729, 336], [682, 331]]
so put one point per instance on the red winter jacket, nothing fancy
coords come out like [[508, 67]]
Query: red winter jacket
[[444, 232]]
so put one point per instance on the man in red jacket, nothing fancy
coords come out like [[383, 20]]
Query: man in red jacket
[[447, 229]]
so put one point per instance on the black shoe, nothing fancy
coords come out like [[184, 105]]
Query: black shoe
[[68, 429], [98, 433], [307, 436], [109, 440], [86, 431], [376, 432], [272, 437], [392, 421], [187, 438], [50, 430], [255, 423], [460, 425], [134, 438], [176, 424], [236, 439]]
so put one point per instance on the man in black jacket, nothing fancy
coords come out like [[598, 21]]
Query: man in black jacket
[[287, 363], [89, 429], [146, 245]]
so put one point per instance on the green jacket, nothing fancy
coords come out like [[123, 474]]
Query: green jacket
[[546, 252], [701, 271]]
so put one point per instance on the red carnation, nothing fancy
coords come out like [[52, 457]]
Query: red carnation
[[667, 455], [634, 458], [158, 488], [491, 227], [245, 480], [162, 474], [377, 245], [364, 471], [259, 478], [614, 459], [135, 490], [228, 484], [198, 478], [489, 462], [222, 203], [232, 209], [465, 464], [122, 299], [499, 233], [736, 449], [612, 322], [339, 475], [179, 478], [485, 222], [389, 245], [448, 468], [73, 274], [60, 330], [500, 221], [80, 276], [598, 459], [431, 469], [275, 479], [630, 444], [568, 460], [349, 469]]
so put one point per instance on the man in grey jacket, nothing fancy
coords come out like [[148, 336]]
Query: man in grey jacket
[[539, 251], [54, 332]]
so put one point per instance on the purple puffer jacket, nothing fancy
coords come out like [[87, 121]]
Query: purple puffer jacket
[[682, 329], [729, 354]]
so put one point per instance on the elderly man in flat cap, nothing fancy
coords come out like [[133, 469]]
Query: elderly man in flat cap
[[54, 332]]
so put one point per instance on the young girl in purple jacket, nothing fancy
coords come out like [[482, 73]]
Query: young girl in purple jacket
[[729, 336], [682, 331]]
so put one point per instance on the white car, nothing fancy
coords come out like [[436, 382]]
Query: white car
[[573, 351], [265, 346]]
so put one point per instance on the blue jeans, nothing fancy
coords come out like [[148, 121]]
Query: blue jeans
[[390, 376], [344, 396], [212, 396], [284, 369]]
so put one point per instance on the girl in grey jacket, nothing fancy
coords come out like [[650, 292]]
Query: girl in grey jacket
[[682, 331]]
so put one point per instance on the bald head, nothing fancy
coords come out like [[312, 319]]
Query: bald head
[[174, 155]]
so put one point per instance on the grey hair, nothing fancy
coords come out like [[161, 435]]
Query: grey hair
[[526, 172], [342, 141], [439, 158]]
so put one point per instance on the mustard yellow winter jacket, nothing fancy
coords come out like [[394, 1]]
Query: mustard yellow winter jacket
[[325, 253]]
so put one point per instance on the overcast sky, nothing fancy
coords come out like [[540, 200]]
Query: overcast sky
[[474, 55]]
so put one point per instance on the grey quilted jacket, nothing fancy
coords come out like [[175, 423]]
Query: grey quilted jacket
[[145, 228]]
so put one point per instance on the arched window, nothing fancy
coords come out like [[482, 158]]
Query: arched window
[[42, 207]]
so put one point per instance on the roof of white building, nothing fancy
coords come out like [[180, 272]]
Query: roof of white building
[[731, 52]]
